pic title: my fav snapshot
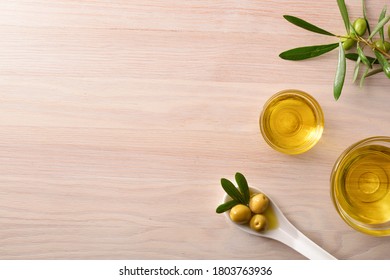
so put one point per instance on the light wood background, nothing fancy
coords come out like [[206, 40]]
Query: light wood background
[[118, 119]]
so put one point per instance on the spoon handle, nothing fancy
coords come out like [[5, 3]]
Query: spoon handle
[[302, 244]]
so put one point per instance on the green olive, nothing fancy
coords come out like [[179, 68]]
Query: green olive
[[258, 222], [379, 44], [387, 46], [258, 203], [348, 43], [360, 26], [388, 31], [240, 214]]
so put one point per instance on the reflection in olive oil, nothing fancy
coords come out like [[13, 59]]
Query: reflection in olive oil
[[362, 186]]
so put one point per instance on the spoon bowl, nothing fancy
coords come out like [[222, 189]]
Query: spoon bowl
[[284, 232]]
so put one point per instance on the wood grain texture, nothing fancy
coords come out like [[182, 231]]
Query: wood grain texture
[[118, 119]]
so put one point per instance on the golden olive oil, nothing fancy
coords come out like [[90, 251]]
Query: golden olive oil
[[292, 122], [269, 213], [360, 188]]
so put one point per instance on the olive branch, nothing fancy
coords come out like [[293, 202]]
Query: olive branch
[[379, 47]]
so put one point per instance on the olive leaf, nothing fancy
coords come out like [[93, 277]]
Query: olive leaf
[[232, 191], [356, 70], [382, 16], [365, 16], [355, 57], [302, 53], [243, 186], [363, 57], [306, 25], [344, 14], [364, 76], [379, 26], [383, 61], [340, 73], [226, 206], [352, 30], [375, 71]]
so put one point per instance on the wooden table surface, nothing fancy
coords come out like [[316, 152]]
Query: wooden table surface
[[119, 118]]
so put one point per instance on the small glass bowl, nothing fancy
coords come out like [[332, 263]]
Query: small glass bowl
[[291, 122], [360, 183]]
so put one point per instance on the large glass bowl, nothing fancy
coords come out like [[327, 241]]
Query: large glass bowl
[[360, 186]]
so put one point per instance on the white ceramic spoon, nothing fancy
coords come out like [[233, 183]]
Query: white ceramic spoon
[[286, 233]]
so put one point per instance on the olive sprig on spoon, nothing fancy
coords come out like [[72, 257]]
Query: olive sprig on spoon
[[244, 207]]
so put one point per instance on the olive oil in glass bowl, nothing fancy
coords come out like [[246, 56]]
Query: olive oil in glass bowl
[[292, 121], [360, 186]]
